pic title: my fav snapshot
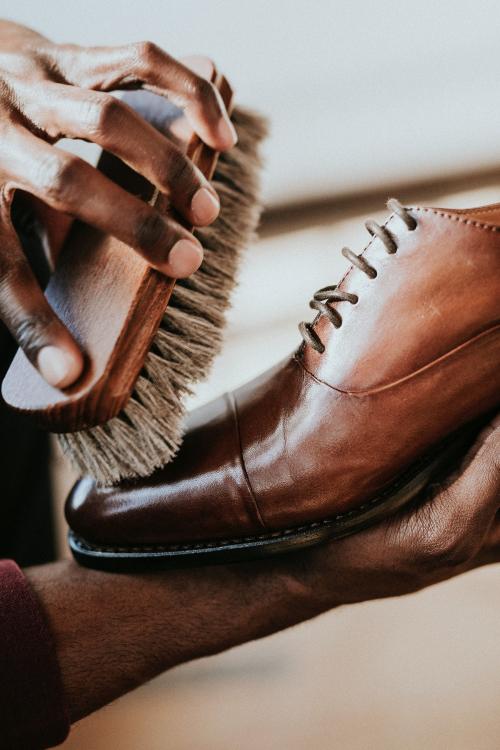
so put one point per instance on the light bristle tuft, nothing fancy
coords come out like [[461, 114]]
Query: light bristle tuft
[[148, 433]]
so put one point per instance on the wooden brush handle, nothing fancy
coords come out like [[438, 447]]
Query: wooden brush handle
[[112, 302]]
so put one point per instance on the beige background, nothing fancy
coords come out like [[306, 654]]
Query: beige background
[[360, 92]]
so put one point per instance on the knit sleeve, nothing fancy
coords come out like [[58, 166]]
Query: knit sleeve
[[33, 714]]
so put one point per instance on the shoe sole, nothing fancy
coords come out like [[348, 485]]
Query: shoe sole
[[397, 495]]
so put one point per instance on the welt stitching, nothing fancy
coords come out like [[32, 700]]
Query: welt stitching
[[256, 537], [336, 519]]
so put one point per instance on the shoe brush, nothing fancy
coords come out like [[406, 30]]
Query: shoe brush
[[123, 418]]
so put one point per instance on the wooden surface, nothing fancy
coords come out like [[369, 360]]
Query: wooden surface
[[112, 301]]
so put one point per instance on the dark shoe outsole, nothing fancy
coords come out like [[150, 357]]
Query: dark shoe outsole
[[400, 493]]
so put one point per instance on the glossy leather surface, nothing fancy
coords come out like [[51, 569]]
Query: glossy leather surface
[[417, 357]]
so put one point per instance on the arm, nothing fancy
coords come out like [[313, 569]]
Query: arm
[[115, 632]]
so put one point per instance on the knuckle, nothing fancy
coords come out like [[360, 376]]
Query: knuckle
[[57, 177], [444, 551], [442, 539], [149, 231], [13, 272], [100, 112], [29, 320], [30, 332], [179, 172], [201, 90], [145, 52]]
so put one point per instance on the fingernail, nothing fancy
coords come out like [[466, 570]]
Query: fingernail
[[57, 366], [227, 132], [185, 258], [205, 207]]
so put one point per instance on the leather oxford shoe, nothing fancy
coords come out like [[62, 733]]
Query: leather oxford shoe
[[403, 355]]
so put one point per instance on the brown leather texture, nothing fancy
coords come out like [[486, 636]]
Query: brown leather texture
[[416, 358]]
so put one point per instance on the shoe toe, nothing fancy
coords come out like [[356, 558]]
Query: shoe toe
[[201, 495]]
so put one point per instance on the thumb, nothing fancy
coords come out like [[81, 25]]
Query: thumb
[[478, 483], [29, 317]]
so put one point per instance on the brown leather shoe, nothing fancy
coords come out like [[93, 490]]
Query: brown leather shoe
[[403, 353]]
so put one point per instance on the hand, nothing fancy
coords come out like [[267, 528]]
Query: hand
[[455, 528], [49, 91], [150, 622]]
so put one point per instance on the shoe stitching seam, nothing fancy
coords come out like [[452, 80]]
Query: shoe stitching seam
[[337, 518], [459, 217], [422, 209], [405, 378]]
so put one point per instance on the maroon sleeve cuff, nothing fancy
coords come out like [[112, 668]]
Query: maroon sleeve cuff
[[33, 713]]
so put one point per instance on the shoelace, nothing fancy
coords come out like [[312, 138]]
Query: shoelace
[[328, 294]]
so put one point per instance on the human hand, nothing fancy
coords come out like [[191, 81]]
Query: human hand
[[152, 621], [50, 91], [455, 528]]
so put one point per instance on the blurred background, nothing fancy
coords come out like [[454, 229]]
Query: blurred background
[[366, 100]]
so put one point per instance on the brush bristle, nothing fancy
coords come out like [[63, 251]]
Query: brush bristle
[[148, 432]]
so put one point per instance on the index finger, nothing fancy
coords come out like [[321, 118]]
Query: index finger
[[145, 65]]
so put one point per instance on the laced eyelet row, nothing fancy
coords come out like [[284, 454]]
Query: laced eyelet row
[[324, 297]]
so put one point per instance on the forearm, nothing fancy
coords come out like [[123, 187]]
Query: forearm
[[115, 632]]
